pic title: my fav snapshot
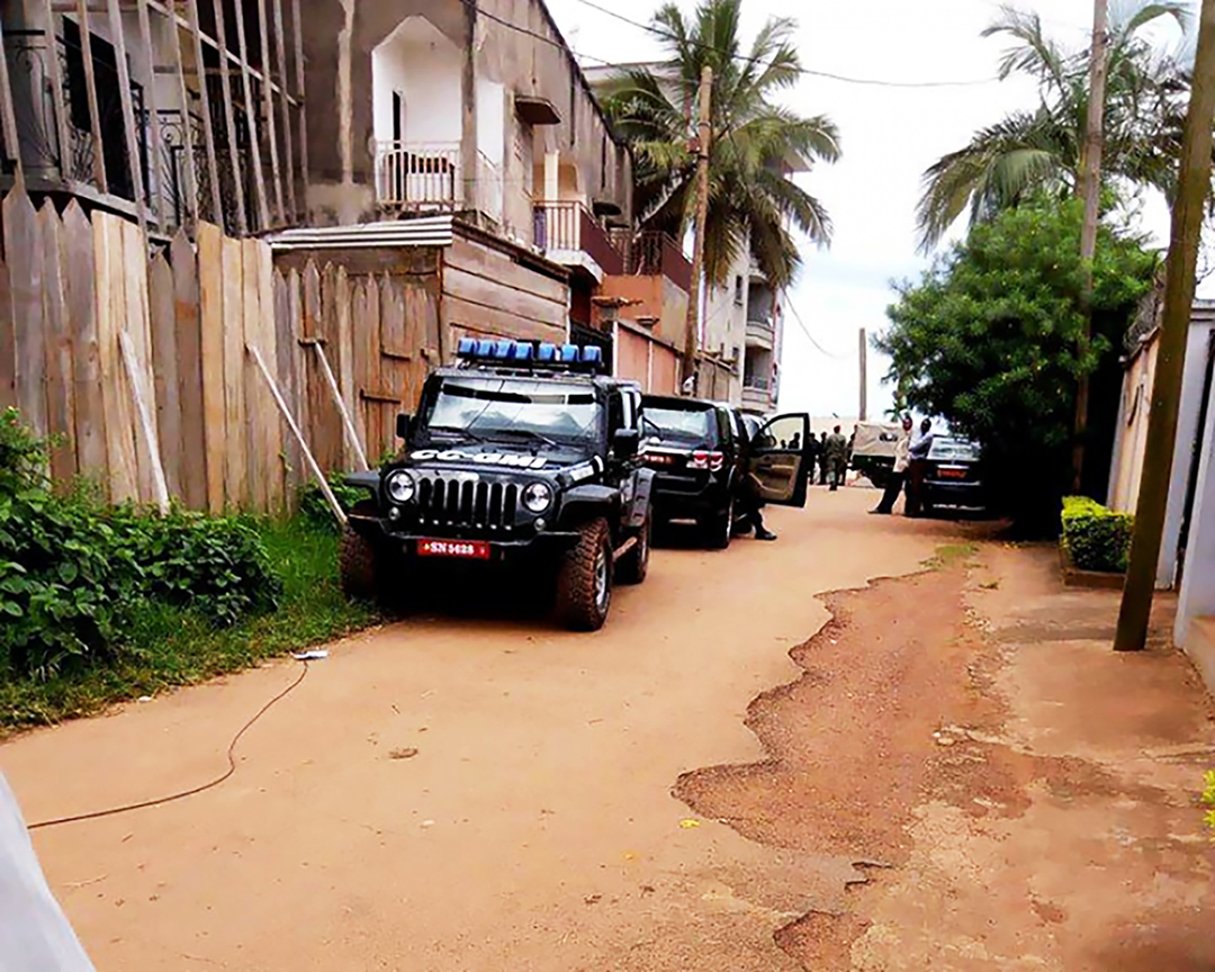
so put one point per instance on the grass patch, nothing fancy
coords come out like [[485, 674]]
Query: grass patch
[[949, 554], [168, 646]]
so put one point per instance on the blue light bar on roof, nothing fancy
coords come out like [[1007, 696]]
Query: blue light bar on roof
[[569, 353], [592, 354], [522, 352], [466, 348], [503, 349], [528, 354], [546, 352], [485, 349]]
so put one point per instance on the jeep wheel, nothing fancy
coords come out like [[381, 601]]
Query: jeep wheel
[[719, 527], [358, 560], [584, 580], [634, 565]]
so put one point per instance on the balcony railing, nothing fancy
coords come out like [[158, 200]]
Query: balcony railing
[[761, 333], [418, 175], [653, 254], [568, 225]]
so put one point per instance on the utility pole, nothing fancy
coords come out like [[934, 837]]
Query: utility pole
[[863, 349], [704, 135], [1090, 184], [1194, 185]]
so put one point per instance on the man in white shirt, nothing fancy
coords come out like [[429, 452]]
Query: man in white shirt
[[34, 934], [902, 459]]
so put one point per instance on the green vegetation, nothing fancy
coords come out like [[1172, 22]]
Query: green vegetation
[[314, 508], [1040, 151], [102, 604], [1095, 537], [753, 140], [992, 339], [1208, 798], [949, 554]]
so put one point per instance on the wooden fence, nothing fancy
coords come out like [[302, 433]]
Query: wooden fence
[[140, 369]]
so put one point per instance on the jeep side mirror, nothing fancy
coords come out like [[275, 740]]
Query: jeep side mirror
[[625, 443], [403, 425]]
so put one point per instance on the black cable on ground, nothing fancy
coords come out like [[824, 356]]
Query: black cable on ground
[[127, 808]]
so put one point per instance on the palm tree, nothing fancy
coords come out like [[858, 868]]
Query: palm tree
[[751, 200], [1029, 152]]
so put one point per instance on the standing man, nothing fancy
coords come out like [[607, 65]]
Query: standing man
[[813, 454], [837, 457], [917, 469], [822, 459], [902, 458]]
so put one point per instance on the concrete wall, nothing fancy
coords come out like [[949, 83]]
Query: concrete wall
[[1197, 597], [339, 38], [424, 66]]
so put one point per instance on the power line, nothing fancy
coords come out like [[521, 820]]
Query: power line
[[810, 72], [810, 337]]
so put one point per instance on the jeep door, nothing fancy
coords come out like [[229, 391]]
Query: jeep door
[[778, 459]]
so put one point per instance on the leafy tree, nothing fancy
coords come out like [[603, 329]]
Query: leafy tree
[[991, 339], [1029, 152], [750, 197]]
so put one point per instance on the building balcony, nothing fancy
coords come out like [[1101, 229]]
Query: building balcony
[[568, 234], [654, 254], [419, 176], [758, 393], [761, 334]]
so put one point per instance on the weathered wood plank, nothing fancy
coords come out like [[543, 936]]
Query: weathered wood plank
[[86, 364], [285, 366], [54, 74], [271, 121], [225, 83], [462, 316], [192, 461], [301, 115], [118, 422], [422, 323], [90, 87], [8, 350], [8, 117], [118, 38], [255, 149], [295, 307], [155, 175], [341, 351], [60, 391], [23, 245], [232, 328], [256, 465], [498, 295], [211, 343], [270, 422], [217, 206], [166, 357], [360, 357], [373, 437], [192, 193], [485, 261], [393, 336], [137, 326], [325, 425], [280, 53]]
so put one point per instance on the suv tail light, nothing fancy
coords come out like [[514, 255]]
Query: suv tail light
[[703, 459]]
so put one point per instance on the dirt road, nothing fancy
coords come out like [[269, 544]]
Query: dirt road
[[675, 793]]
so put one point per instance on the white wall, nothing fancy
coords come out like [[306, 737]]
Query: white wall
[[417, 60], [1197, 597]]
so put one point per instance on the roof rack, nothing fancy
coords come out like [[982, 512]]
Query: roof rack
[[530, 355]]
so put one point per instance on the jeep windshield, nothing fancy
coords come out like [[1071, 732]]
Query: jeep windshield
[[524, 410], [675, 423]]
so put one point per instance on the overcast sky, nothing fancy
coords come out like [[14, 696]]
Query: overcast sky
[[889, 135]]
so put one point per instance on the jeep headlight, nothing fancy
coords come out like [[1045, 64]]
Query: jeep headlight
[[400, 486], [537, 497]]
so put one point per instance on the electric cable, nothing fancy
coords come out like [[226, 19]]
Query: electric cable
[[193, 791]]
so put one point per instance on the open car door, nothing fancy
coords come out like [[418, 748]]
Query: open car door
[[779, 457]]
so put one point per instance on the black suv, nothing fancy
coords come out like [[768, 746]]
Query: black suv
[[522, 454], [705, 456]]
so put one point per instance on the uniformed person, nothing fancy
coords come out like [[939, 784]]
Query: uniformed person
[[836, 452]]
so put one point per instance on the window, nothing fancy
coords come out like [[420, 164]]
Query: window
[[738, 291], [496, 407]]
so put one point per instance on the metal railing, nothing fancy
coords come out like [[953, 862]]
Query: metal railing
[[650, 253], [568, 225], [761, 330], [419, 175]]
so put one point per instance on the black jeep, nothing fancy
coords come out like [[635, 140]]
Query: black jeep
[[520, 455], [706, 458]]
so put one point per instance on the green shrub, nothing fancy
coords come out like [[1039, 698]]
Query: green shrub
[[1095, 537], [1208, 798], [72, 572], [315, 508]]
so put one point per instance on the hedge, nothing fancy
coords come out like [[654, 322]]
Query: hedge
[[1095, 537]]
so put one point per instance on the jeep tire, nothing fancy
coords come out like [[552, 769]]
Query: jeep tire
[[584, 579], [634, 565], [358, 560], [718, 527]]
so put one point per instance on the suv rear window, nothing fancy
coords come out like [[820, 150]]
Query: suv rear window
[[953, 450], [688, 424]]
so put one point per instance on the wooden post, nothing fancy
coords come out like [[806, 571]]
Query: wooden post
[[217, 199], [863, 353], [704, 135], [128, 111], [259, 176], [268, 98], [225, 82], [90, 86], [321, 481], [8, 117], [280, 50], [1090, 181], [58, 100], [187, 130], [298, 44], [1194, 185], [142, 398], [155, 173]]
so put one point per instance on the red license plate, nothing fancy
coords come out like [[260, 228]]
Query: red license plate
[[951, 472], [464, 549]]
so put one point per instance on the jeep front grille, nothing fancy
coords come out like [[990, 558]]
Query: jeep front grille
[[463, 503]]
